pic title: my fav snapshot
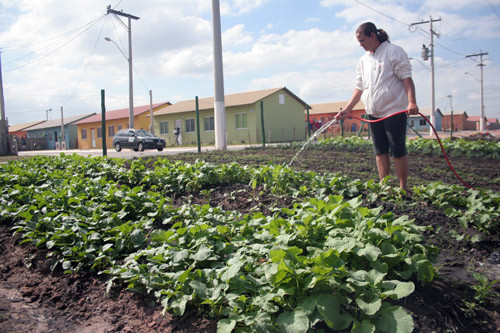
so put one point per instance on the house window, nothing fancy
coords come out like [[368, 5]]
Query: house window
[[282, 98], [84, 134], [209, 124], [190, 125], [422, 122], [412, 123], [50, 136], [119, 127], [163, 127], [241, 120], [99, 132], [111, 131]]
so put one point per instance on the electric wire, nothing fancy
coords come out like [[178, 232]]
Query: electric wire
[[56, 49], [87, 65]]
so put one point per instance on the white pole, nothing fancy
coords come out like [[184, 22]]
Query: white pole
[[62, 129], [481, 121], [433, 116], [219, 104], [130, 78], [151, 111]]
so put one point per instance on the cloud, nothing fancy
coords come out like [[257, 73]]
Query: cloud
[[238, 7]]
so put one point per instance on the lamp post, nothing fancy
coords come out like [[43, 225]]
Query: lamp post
[[130, 84], [451, 123], [47, 114], [129, 58]]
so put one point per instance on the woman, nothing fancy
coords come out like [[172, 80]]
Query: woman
[[383, 80]]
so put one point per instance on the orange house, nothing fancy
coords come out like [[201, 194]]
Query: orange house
[[90, 129], [319, 114]]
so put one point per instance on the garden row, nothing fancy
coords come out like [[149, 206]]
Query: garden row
[[327, 260]]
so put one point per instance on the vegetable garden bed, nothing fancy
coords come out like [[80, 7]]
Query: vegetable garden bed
[[245, 243]]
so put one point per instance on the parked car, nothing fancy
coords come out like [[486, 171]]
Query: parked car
[[138, 140]]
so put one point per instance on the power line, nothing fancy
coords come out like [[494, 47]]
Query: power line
[[57, 49], [88, 63]]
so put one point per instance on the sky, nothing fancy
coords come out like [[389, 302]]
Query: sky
[[54, 54]]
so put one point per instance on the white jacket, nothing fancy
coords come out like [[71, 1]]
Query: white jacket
[[380, 76]]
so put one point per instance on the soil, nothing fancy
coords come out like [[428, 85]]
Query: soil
[[35, 299]]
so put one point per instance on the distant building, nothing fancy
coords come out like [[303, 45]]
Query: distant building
[[473, 123], [418, 123], [492, 124], [90, 129], [20, 134], [283, 118], [459, 120], [51, 131], [319, 114]]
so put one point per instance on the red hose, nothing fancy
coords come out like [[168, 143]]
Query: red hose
[[435, 133]]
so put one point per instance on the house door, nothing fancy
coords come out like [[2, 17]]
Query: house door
[[92, 136], [178, 131]]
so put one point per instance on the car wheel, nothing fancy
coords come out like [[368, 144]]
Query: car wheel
[[160, 148], [118, 147], [140, 146]]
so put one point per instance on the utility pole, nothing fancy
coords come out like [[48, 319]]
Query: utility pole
[[62, 130], [4, 130], [431, 51], [219, 103], [151, 111], [130, 78], [481, 65]]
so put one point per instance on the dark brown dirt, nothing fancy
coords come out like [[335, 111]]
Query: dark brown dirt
[[34, 299]]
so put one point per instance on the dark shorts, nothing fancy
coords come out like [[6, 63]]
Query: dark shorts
[[389, 135]]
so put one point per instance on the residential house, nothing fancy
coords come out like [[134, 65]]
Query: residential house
[[473, 123], [51, 131], [20, 133], [492, 124], [283, 118], [459, 120], [419, 124], [90, 129], [319, 114]]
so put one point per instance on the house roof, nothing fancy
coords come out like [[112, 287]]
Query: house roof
[[120, 114], [426, 112], [492, 120], [243, 98], [333, 107], [455, 113], [475, 118], [23, 127], [57, 122]]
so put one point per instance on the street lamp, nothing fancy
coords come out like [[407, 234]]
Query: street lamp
[[130, 84], [47, 114], [420, 63]]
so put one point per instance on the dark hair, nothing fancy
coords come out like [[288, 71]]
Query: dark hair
[[368, 28]]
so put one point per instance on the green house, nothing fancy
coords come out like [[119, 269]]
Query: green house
[[283, 119]]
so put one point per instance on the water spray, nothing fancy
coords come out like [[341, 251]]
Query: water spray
[[334, 120]]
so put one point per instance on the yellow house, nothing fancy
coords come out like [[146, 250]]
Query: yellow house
[[90, 129]]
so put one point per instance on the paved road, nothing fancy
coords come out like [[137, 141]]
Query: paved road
[[128, 153]]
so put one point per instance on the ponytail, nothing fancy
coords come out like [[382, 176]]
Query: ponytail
[[368, 28]]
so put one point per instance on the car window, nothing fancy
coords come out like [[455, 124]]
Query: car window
[[145, 133], [131, 133]]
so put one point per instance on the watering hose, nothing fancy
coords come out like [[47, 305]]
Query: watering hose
[[435, 133]]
